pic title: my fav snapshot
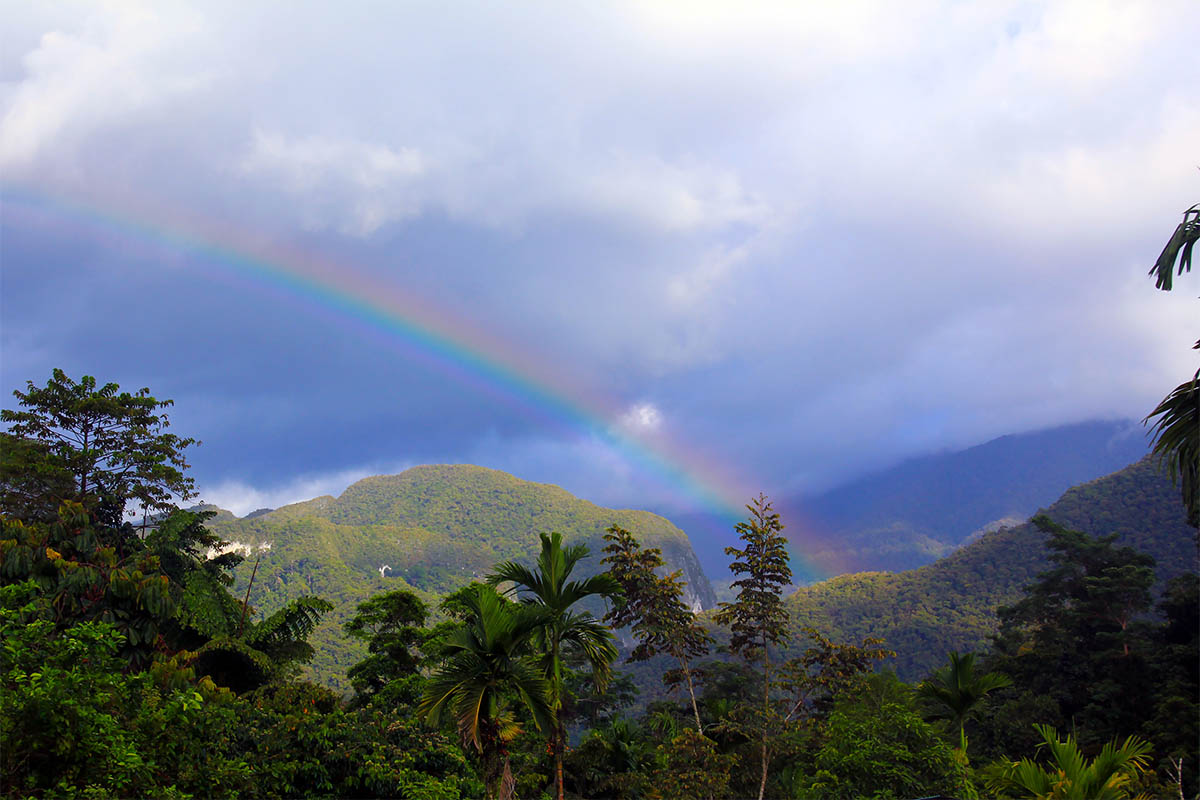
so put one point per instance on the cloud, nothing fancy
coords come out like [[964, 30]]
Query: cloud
[[819, 236], [121, 61], [641, 418], [242, 498]]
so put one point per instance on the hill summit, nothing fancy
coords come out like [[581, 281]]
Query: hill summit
[[431, 529]]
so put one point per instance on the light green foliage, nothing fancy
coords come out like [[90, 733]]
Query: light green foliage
[[875, 744], [438, 528], [1068, 775]]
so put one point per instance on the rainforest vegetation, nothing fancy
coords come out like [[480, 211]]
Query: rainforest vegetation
[[131, 668]]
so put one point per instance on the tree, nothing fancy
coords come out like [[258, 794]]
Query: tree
[[110, 446], [392, 625], [1109, 776], [652, 607], [1177, 431], [758, 618], [548, 587], [956, 690], [875, 744], [488, 661], [1080, 637]]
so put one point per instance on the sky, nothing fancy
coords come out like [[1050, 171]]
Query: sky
[[664, 255]]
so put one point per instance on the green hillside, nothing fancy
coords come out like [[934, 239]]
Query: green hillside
[[950, 605], [437, 528]]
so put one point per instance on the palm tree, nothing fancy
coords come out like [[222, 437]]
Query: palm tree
[[547, 587], [1068, 775], [487, 662], [1177, 429], [956, 690]]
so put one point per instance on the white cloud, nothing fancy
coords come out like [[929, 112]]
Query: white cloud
[[118, 60], [641, 418], [241, 498]]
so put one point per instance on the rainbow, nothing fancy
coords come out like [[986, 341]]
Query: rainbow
[[432, 336]]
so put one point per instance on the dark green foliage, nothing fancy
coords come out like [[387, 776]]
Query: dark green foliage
[[1177, 441], [110, 446], [488, 667], [611, 761], [89, 573], [690, 768], [1079, 635], [758, 617], [1177, 430], [954, 692], [565, 630], [651, 606], [1174, 726], [1179, 246], [393, 626]]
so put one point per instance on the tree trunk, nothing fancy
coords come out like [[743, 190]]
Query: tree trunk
[[559, 738], [762, 786], [508, 783], [687, 673]]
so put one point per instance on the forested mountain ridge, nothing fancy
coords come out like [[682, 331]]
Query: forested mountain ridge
[[924, 508], [951, 604], [435, 528]]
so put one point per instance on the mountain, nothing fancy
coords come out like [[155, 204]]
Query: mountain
[[951, 604], [431, 529], [924, 508]]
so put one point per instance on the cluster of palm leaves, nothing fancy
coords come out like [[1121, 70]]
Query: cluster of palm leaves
[[510, 652], [1067, 774]]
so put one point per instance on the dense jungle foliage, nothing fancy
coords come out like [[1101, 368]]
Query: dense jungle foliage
[[130, 667]]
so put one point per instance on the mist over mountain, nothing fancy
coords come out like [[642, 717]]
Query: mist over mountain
[[951, 604], [924, 508]]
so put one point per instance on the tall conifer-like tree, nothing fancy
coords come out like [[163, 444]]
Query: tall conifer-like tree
[[652, 607], [758, 618]]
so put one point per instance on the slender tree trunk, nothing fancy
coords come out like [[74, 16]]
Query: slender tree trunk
[[687, 673], [762, 786], [559, 739], [558, 729], [508, 784], [246, 602]]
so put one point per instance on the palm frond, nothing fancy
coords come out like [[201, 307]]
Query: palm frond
[[1178, 246]]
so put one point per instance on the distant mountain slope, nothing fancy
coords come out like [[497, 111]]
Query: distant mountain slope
[[926, 612], [922, 509], [430, 528]]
